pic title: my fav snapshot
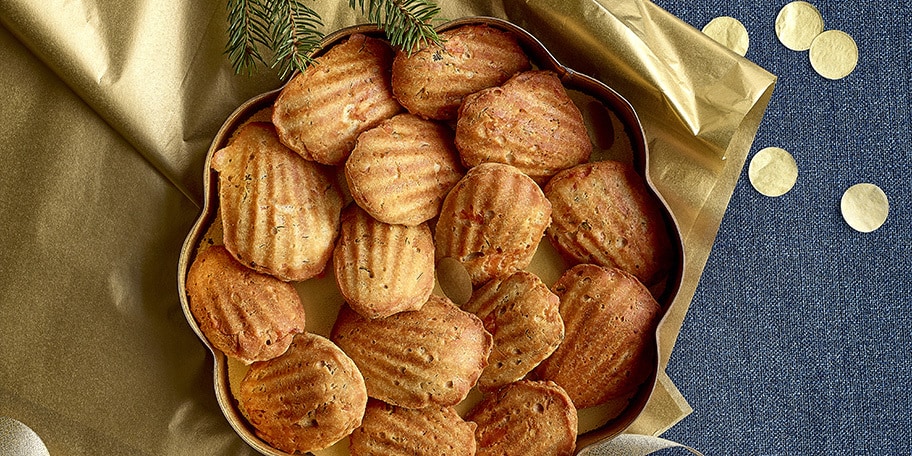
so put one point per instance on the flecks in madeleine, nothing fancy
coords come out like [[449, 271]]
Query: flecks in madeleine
[[280, 213], [401, 170], [247, 315], [382, 269], [492, 221], [603, 214], [523, 316], [608, 350], [321, 111], [389, 430], [416, 359], [530, 122], [526, 418], [305, 400], [432, 81]]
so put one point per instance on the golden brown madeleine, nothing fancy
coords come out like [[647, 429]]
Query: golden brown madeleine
[[246, 315], [525, 417], [492, 221], [388, 430], [604, 215], [401, 170], [382, 269], [610, 320], [431, 82], [523, 316], [530, 122], [416, 359], [305, 400], [280, 213], [321, 111]]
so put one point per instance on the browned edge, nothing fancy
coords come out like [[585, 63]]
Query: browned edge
[[543, 59]]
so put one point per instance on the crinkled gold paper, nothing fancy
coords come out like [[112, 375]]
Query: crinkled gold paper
[[109, 108]]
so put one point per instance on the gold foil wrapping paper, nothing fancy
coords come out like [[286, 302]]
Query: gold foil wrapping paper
[[109, 108]]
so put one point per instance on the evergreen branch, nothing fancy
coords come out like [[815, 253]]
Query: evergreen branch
[[407, 23], [247, 32], [291, 30], [295, 34]]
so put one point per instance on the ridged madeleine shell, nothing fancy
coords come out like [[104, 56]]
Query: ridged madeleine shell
[[401, 170], [492, 221], [416, 359], [523, 316], [603, 214], [280, 213], [389, 430], [530, 122], [431, 82], [609, 319], [383, 269], [526, 418], [305, 400], [246, 315], [322, 110]]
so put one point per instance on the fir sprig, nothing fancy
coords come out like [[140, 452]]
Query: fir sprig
[[295, 34], [291, 31], [407, 23]]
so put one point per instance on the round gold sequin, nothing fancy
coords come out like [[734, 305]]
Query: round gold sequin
[[773, 171], [833, 54], [797, 24], [19, 439], [728, 32], [454, 280], [865, 207]]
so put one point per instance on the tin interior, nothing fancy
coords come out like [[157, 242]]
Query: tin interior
[[574, 82]]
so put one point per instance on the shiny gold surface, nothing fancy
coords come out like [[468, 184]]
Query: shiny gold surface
[[773, 171], [728, 32]]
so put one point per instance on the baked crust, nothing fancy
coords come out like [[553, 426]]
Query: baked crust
[[604, 215], [383, 269], [246, 315], [523, 316], [305, 400], [431, 82], [322, 110], [529, 122], [610, 320], [401, 170], [492, 221], [526, 417], [280, 213], [416, 359], [389, 430]]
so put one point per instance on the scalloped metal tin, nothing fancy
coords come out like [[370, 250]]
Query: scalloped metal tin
[[541, 58]]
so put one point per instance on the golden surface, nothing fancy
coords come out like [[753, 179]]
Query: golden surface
[[107, 117], [773, 171], [728, 32], [833, 54], [797, 24], [864, 207]]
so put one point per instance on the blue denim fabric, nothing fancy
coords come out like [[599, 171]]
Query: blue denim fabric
[[798, 339]]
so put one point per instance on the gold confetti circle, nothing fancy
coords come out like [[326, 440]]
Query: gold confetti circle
[[833, 54], [728, 32], [865, 207], [797, 24], [773, 171]]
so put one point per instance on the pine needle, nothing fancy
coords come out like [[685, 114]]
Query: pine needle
[[407, 23], [295, 34], [247, 32], [291, 31]]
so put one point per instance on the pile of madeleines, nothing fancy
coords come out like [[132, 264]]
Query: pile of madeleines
[[461, 151]]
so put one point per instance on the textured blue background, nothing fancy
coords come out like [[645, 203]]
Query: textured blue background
[[798, 339]]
